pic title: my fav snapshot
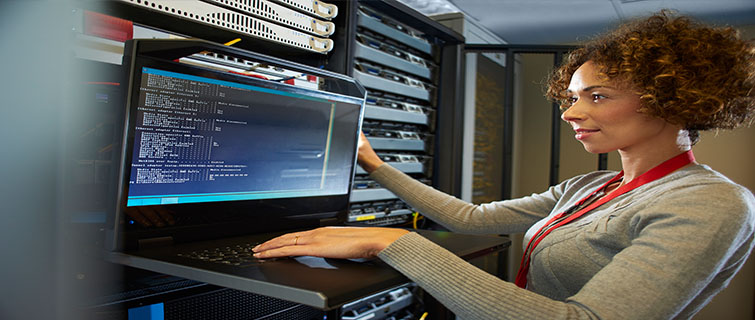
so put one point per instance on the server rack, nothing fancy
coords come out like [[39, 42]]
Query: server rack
[[410, 66], [413, 117], [416, 94]]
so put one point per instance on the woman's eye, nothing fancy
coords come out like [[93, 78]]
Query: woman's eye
[[596, 97], [571, 100]]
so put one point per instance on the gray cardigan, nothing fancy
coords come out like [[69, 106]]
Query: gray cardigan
[[661, 251]]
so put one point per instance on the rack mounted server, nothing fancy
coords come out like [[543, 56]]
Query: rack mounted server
[[292, 23], [398, 65]]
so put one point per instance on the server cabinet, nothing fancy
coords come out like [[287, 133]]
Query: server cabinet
[[410, 66]]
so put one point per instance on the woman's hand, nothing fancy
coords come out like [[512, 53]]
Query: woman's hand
[[330, 242], [367, 158]]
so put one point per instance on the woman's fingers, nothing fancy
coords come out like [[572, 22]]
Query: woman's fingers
[[367, 157], [289, 239], [286, 251], [330, 242]]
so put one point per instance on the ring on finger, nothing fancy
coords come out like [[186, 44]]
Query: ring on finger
[[296, 240]]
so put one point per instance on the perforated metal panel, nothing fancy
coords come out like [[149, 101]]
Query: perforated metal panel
[[280, 14], [221, 18], [228, 304]]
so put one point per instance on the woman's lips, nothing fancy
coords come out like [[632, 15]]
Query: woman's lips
[[582, 134]]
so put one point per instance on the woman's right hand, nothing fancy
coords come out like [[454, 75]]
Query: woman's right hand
[[330, 242], [367, 158]]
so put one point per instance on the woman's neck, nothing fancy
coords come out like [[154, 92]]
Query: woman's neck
[[637, 161]]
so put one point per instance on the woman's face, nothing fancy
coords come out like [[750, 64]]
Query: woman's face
[[604, 114]]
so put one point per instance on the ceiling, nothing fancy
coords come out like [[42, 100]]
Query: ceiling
[[569, 21]]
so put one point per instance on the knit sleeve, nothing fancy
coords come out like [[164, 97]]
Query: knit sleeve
[[684, 248], [500, 217], [467, 291]]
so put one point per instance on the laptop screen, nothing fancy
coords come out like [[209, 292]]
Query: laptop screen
[[208, 152], [199, 139]]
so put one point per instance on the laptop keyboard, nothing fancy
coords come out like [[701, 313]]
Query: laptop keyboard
[[238, 255]]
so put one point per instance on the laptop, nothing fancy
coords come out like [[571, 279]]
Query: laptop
[[223, 149]]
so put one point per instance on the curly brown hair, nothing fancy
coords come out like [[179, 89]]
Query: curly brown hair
[[687, 73]]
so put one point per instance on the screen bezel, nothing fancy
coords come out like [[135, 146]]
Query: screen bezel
[[239, 216]]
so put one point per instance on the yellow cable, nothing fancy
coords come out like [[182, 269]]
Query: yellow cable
[[229, 43], [414, 221], [424, 315], [232, 42]]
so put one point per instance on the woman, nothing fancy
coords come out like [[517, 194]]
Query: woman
[[655, 241]]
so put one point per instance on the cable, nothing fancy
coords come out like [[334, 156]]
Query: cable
[[232, 42], [416, 216]]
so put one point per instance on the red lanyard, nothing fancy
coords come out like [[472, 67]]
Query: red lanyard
[[655, 173]]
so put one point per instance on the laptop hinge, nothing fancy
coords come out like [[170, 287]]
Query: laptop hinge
[[155, 242]]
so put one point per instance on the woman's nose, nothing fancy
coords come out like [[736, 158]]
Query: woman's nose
[[570, 114], [573, 112]]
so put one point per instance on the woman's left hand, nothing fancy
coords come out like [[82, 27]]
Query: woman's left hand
[[330, 242]]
